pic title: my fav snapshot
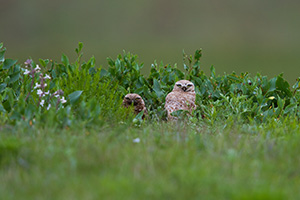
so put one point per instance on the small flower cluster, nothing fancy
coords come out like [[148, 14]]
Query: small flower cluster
[[41, 87]]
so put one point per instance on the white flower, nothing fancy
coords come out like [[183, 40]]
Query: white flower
[[62, 100], [56, 95], [37, 85], [42, 102], [49, 106], [37, 68], [40, 92], [47, 76], [47, 92], [26, 71], [136, 140]]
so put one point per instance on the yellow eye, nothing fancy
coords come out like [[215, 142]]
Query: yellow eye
[[178, 85], [189, 85]]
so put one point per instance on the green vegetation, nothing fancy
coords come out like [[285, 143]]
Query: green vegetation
[[65, 135]]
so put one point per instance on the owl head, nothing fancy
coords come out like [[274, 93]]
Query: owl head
[[132, 99], [184, 86]]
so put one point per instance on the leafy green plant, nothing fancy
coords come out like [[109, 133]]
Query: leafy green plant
[[93, 95]]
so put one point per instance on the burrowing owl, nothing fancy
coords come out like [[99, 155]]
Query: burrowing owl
[[138, 103], [182, 97]]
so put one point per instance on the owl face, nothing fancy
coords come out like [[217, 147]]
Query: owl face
[[184, 86], [132, 99]]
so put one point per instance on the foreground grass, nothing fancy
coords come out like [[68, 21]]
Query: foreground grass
[[171, 161], [47, 151]]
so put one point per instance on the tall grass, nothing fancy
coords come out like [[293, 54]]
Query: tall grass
[[242, 142], [170, 161]]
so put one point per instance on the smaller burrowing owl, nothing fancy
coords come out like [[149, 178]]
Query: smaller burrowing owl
[[182, 97], [137, 102]]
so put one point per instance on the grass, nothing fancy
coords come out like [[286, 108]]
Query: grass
[[172, 161], [242, 141]]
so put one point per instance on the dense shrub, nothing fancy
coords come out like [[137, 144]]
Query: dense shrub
[[65, 94]]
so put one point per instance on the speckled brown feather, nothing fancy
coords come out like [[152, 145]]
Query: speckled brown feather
[[138, 103], [180, 99]]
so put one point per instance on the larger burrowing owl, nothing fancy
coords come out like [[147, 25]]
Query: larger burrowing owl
[[137, 102], [182, 97]]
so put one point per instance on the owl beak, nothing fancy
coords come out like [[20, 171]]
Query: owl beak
[[184, 88]]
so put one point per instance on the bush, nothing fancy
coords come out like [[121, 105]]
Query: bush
[[65, 94]]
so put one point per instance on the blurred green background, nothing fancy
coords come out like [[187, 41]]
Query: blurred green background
[[235, 35]]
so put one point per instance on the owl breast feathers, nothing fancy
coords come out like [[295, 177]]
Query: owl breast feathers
[[137, 102], [182, 97]]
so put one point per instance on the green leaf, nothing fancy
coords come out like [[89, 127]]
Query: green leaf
[[75, 96], [233, 77], [140, 115], [139, 90], [2, 87], [2, 110], [179, 113], [103, 72], [80, 45], [15, 115], [176, 113], [65, 60], [44, 62], [212, 71], [14, 77], [9, 99], [6, 106], [29, 111], [185, 67], [110, 62], [290, 108], [280, 103], [8, 63], [157, 88], [283, 85], [273, 84], [92, 71], [2, 52], [198, 54]]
